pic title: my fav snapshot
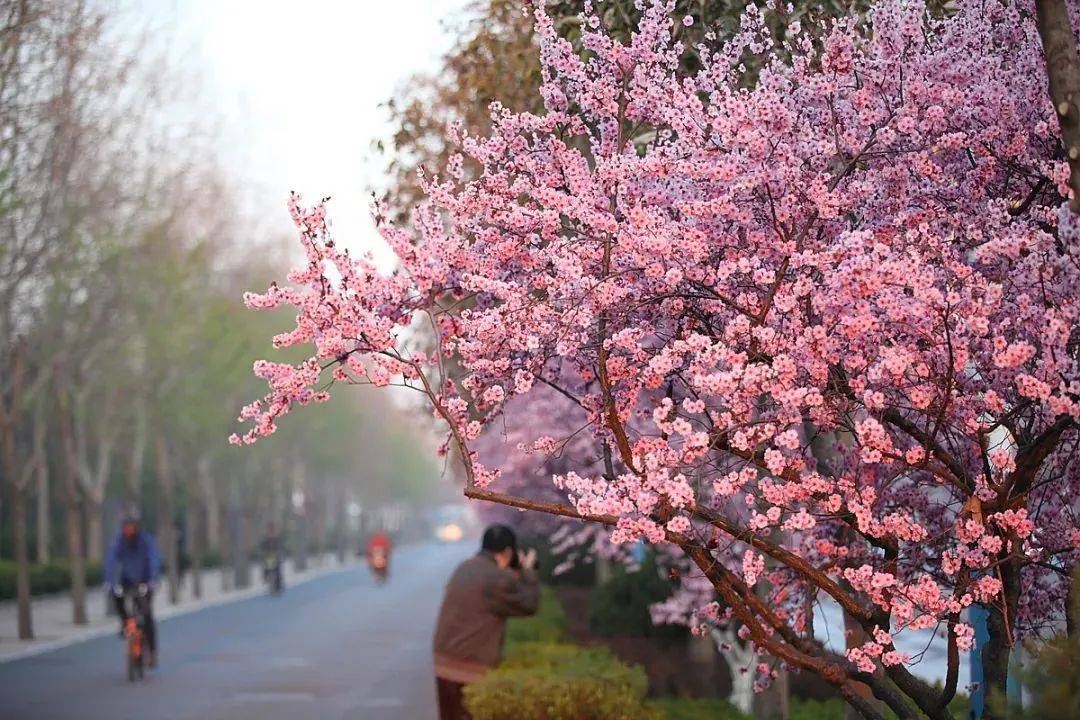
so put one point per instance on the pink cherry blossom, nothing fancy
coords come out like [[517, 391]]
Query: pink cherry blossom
[[813, 325]]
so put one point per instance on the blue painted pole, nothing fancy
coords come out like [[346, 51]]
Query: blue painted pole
[[977, 616]]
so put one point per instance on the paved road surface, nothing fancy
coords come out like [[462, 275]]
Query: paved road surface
[[337, 647]]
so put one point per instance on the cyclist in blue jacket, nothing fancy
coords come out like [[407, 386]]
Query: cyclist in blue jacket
[[133, 567]]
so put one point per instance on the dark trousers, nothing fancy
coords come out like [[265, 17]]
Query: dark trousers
[[451, 702], [149, 627]]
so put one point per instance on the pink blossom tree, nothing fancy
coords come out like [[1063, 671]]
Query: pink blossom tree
[[821, 317]]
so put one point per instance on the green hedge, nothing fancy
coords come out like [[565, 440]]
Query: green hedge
[[51, 577], [548, 625], [556, 681], [696, 709]]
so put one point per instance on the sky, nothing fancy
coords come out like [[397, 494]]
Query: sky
[[298, 88]]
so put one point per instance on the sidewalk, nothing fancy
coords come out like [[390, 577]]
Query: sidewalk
[[52, 613]]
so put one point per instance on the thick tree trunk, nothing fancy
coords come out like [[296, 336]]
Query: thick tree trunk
[[16, 479], [244, 547], [998, 648], [231, 568], [773, 702], [300, 541], [195, 545], [22, 564], [210, 507], [138, 455], [72, 506], [317, 543], [166, 523], [742, 662], [213, 522], [1063, 72], [43, 507], [95, 537], [995, 659], [43, 521], [76, 560], [239, 558], [340, 534]]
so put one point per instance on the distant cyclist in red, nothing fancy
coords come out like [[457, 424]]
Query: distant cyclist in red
[[378, 554]]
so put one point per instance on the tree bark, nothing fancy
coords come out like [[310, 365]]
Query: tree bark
[[75, 559], [166, 523], [998, 648], [72, 507], [17, 479], [237, 532], [195, 544], [300, 541], [340, 534], [138, 455], [44, 517], [244, 547], [213, 522], [94, 532], [210, 508], [22, 564], [742, 662], [17, 482], [1063, 73]]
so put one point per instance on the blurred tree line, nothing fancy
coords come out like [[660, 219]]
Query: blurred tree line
[[125, 351]]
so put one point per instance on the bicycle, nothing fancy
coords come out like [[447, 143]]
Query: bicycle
[[135, 632], [272, 574]]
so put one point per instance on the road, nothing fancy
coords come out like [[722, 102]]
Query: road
[[339, 646]]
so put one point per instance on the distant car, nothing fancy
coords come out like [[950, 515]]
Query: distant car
[[450, 523]]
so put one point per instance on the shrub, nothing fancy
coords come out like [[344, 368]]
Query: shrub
[[555, 681], [621, 606], [49, 578], [696, 709], [548, 625]]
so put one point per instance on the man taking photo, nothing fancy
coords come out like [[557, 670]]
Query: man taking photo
[[497, 583]]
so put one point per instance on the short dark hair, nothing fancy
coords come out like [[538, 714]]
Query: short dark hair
[[497, 538]]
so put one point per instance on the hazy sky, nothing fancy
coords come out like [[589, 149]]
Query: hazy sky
[[298, 86]]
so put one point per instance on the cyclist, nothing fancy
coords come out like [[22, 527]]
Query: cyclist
[[272, 552], [133, 565], [378, 551]]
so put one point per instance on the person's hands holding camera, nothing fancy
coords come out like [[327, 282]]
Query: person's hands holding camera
[[527, 558]]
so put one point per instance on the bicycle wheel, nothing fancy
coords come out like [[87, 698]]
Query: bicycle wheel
[[133, 672]]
